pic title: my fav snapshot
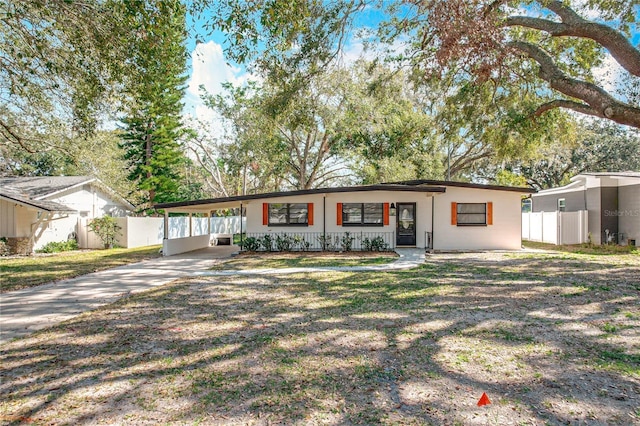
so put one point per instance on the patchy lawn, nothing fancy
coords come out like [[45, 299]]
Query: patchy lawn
[[23, 272], [259, 260], [584, 248], [551, 338]]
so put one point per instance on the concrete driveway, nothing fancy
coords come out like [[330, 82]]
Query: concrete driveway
[[24, 311]]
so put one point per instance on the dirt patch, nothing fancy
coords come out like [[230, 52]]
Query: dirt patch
[[551, 338]]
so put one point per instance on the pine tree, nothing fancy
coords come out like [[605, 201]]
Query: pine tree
[[153, 126]]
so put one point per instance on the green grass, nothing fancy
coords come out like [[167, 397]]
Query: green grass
[[23, 272], [408, 347], [308, 260], [584, 248]]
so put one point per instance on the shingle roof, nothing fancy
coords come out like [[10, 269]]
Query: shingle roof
[[15, 195], [30, 190], [38, 187]]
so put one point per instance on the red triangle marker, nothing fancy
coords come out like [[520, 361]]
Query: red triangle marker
[[484, 400]]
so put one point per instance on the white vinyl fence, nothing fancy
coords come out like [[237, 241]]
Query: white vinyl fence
[[556, 227], [145, 231]]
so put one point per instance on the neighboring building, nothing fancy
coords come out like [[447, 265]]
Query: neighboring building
[[612, 200], [38, 210], [422, 213]]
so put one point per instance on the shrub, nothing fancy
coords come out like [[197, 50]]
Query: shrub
[[4, 247], [58, 246], [374, 244], [284, 242], [107, 229], [302, 244], [267, 242], [250, 244], [346, 242]]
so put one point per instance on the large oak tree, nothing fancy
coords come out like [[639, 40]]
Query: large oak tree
[[546, 47]]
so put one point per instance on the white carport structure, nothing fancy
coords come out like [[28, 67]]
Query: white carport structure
[[172, 246]]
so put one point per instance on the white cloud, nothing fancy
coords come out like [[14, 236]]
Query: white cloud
[[210, 70]]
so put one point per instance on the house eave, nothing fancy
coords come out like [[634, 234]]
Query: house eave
[[212, 202], [38, 206]]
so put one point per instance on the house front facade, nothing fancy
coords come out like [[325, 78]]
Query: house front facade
[[426, 214], [37, 210], [611, 199]]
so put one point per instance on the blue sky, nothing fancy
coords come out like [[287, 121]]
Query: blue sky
[[208, 64]]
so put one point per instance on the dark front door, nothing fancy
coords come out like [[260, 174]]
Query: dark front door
[[406, 224]]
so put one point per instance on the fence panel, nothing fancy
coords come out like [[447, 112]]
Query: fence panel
[[550, 227], [555, 227], [227, 225], [573, 227]]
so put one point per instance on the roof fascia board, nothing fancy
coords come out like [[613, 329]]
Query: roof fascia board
[[464, 185], [320, 191], [26, 204]]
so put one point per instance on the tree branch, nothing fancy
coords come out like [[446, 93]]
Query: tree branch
[[563, 103], [597, 98], [573, 25]]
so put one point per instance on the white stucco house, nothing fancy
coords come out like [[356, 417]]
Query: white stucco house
[[38, 210], [436, 215]]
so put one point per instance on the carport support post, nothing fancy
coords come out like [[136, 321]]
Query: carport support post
[[240, 227], [166, 225]]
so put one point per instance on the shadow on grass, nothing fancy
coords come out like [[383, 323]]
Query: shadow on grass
[[23, 272], [410, 347]]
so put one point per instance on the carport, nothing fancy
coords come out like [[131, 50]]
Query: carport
[[173, 246]]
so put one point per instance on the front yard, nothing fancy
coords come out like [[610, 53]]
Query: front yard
[[21, 272], [551, 338]]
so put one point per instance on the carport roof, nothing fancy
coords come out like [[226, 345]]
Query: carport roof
[[230, 202]]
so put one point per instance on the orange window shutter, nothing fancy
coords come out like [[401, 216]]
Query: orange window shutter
[[489, 213], [385, 214], [265, 213], [454, 213], [310, 214], [339, 214]]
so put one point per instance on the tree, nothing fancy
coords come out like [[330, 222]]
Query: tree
[[152, 125], [519, 45], [549, 51], [601, 147], [60, 62], [294, 139], [97, 155]]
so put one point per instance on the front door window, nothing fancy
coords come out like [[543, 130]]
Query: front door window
[[406, 224]]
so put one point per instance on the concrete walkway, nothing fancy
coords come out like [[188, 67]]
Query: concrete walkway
[[30, 309], [409, 258], [24, 311]]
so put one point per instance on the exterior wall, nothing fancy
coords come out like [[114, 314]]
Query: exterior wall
[[329, 223], [89, 201], [183, 245], [629, 213], [55, 231], [593, 207], [609, 205], [505, 233], [24, 218], [422, 213], [549, 202], [7, 219]]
